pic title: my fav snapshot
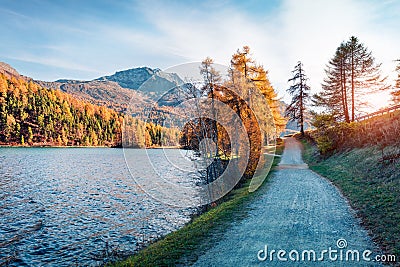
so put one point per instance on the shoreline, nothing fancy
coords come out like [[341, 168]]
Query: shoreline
[[183, 246], [58, 146], [164, 147], [50, 146]]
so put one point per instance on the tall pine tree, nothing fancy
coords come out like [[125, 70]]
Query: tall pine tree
[[334, 95], [350, 74], [300, 96], [396, 92]]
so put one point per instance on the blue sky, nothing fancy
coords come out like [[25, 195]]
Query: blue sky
[[86, 39]]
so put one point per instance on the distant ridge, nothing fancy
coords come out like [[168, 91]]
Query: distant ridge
[[153, 82], [133, 89], [8, 70], [103, 93], [131, 78]]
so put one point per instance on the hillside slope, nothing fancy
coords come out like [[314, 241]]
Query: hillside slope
[[106, 93], [75, 113], [34, 115], [363, 161], [8, 70], [372, 187]]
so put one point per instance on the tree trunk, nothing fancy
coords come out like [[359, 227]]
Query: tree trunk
[[352, 86], [301, 104], [344, 93]]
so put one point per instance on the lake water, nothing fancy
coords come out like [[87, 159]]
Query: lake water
[[78, 206]]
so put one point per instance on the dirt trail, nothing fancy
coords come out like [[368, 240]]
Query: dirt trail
[[298, 210]]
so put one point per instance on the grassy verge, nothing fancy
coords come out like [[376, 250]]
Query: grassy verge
[[372, 187], [186, 244]]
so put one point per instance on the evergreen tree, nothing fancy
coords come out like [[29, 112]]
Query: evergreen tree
[[300, 96], [350, 74], [396, 92], [334, 96]]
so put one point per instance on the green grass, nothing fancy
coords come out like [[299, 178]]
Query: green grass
[[373, 189], [187, 244]]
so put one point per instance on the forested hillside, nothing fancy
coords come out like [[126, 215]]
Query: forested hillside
[[31, 114], [101, 93]]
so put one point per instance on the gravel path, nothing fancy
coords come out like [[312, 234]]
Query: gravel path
[[299, 210]]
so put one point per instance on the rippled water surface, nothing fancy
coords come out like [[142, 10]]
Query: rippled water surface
[[77, 206]]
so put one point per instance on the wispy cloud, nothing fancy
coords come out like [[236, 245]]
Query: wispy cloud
[[302, 30], [55, 62], [106, 37]]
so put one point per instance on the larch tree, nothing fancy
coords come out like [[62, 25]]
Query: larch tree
[[211, 78], [262, 82], [300, 96], [245, 71], [241, 61]]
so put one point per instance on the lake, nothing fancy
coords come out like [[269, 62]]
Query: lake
[[80, 206]]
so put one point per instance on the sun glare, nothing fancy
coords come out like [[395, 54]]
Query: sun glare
[[377, 101]]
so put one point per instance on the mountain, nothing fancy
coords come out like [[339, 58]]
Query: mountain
[[103, 93], [8, 70], [34, 113], [153, 82], [136, 88], [131, 78]]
